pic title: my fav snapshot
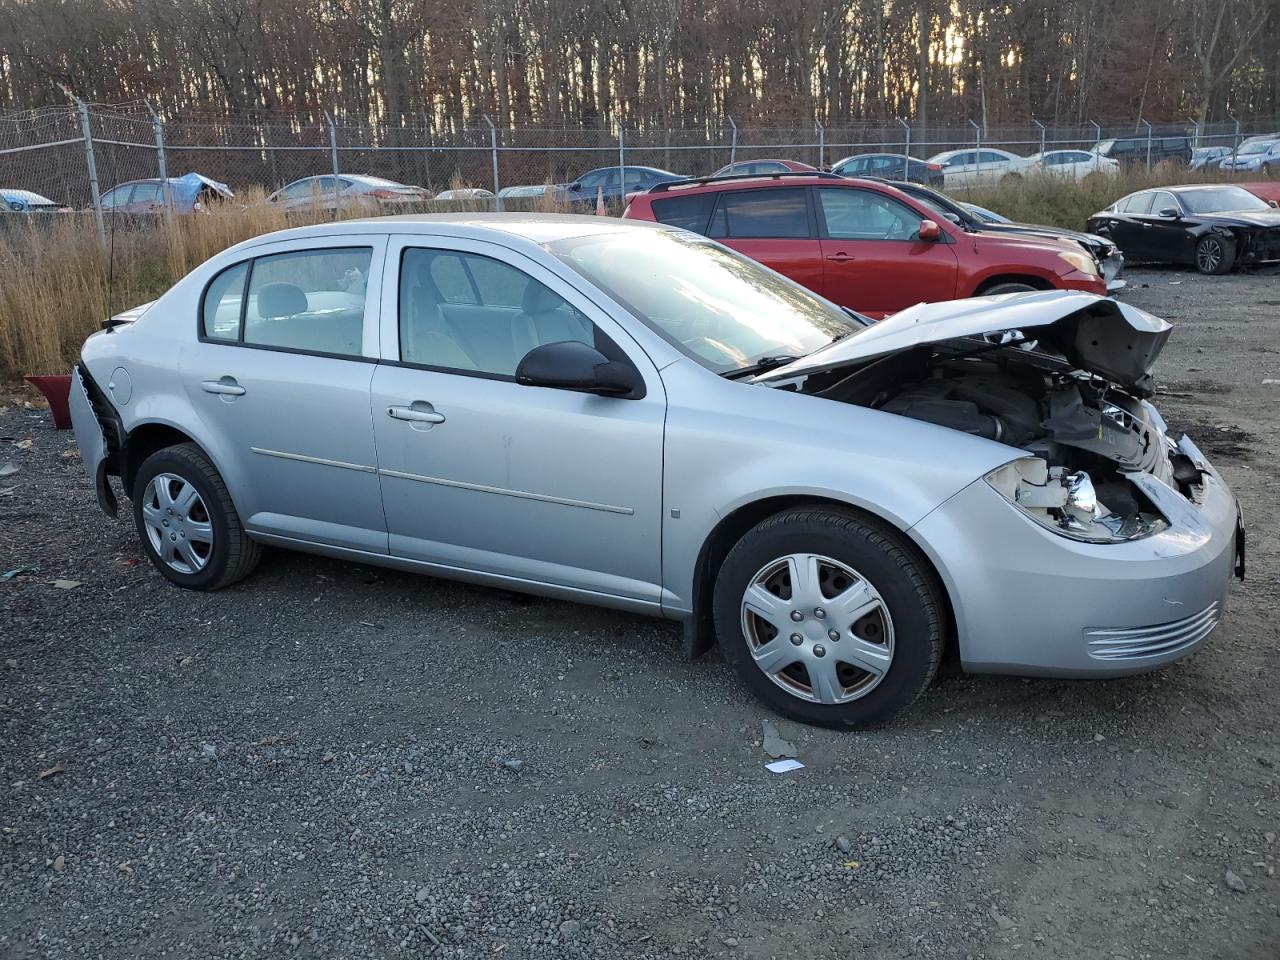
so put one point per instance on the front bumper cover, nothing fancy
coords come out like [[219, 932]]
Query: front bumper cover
[[1027, 601]]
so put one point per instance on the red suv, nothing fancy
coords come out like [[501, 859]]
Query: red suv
[[866, 245]]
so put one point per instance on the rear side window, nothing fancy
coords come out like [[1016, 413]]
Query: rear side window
[[311, 301], [223, 297], [743, 214], [690, 212]]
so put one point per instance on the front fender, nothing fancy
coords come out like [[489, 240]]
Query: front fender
[[741, 444]]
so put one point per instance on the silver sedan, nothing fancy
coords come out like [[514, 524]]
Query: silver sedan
[[629, 415]]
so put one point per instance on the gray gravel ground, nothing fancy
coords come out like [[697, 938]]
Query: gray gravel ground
[[336, 761]]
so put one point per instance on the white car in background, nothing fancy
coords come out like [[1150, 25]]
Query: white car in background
[[330, 191], [967, 168], [1070, 164], [466, 193]]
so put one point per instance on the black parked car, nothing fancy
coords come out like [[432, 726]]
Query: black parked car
[[1132, 151], [1213, 227], [1109, 259], [889, 166]]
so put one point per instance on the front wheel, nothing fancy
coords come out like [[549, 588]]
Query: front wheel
[[187, 523], [1215, 255], [1012, 286], [829, 618]]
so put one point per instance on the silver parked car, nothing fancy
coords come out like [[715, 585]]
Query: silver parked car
[[631, 415], [330, 191]]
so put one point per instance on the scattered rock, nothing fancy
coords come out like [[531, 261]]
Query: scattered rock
[[843, 844], [59, 863], [423, 895], [569, 929], [1235, 883], [1003, 922], [774, 745], [515, 766], [208, 751]]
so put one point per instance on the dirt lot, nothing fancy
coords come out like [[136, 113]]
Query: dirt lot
[[337, 761]]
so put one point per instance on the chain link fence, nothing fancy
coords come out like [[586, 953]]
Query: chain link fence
[[75, 155]]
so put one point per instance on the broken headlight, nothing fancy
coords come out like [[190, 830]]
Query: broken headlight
[[1067, 503]]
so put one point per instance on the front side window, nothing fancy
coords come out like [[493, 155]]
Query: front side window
[[717, 306], [864, 215], [311, 300], [146, 193], [990, 156], [1163, 202], [596, 178], [117, 197], [508, 314], [744, 214]]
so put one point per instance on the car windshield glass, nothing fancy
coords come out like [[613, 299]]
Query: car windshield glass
[[1255, 147], [1222, 198], [935, 207], [722, 309]]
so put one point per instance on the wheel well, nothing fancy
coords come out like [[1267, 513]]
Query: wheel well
[[1038, 282], [141, 443], [732, 528]]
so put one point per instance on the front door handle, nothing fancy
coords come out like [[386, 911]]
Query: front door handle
[[840, 257], [226, 386], [419, 412]]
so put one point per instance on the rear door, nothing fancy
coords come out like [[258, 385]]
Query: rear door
[[873, 258], [774, 226]]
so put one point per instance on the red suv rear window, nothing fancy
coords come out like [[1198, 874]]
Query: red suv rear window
[[690, 212]]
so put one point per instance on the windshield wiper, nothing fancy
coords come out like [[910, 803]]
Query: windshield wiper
[[764, 363]]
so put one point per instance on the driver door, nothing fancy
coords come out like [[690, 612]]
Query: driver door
[[873, 258]]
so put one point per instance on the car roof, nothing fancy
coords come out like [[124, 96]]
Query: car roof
[[533, 228], [752, 181]]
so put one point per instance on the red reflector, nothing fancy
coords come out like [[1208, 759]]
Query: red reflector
[[934, 166]]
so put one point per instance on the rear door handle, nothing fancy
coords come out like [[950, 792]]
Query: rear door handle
[[226, 386], [420, 412], [841, 257]]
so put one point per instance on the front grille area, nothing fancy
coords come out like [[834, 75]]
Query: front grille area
[[1136, 643]]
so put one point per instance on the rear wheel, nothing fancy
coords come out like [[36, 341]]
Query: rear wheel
[[1215, 255], [187, 523], [829, 618]]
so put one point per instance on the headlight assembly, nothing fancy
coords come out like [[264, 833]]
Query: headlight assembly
[[1067, 503], [1080, 260]]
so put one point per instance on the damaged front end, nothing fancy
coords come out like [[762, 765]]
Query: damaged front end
[[1066, 385]]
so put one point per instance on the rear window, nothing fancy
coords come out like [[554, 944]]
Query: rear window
[[743, 214], [690, 212]]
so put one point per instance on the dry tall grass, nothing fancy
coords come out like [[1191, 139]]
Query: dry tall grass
[[57, 284]]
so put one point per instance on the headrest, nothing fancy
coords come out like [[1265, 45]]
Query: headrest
[[539, 299], [281, 300]]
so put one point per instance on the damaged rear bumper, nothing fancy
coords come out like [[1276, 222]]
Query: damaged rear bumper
[[1030, 602], [97, 448]]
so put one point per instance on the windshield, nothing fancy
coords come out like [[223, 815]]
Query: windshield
[[1222, 198], [722, 309], [1260, 147], [936, 206]]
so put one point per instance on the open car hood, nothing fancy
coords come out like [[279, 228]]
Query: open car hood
[[1113, 340]]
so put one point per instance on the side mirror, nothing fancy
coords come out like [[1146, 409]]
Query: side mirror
[[1172, 212], [930, 232], [572, 365]]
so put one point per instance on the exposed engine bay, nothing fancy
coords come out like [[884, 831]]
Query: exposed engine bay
[[1085, 435]]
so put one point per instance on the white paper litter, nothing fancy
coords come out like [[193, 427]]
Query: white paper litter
[[784, 766]]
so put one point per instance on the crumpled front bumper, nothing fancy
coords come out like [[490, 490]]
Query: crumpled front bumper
[[1028, 601]]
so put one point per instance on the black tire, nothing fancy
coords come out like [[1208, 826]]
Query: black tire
[[1009, 286], [1215, 255], [232, 555], [880, 556]]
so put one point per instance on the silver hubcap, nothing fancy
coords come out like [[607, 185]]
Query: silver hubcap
[[1209, 255], [177, 523], [817, 628]]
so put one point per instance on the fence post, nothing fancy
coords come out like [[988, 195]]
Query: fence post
[[1097, 134], [493, 152], [86, 131], [333, 155], [1148, 123], [822, 144], [1041, 126], [1235, 139], [622, 162], [733, 139], [977, 150], [906, 149], [1195, 133], [161, 167]]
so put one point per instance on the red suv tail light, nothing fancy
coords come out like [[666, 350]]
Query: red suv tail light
[[933, 166]]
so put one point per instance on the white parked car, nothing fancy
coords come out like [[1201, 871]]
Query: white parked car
[[330, 191], [967, 168], [1070, 164], [466, 193]]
